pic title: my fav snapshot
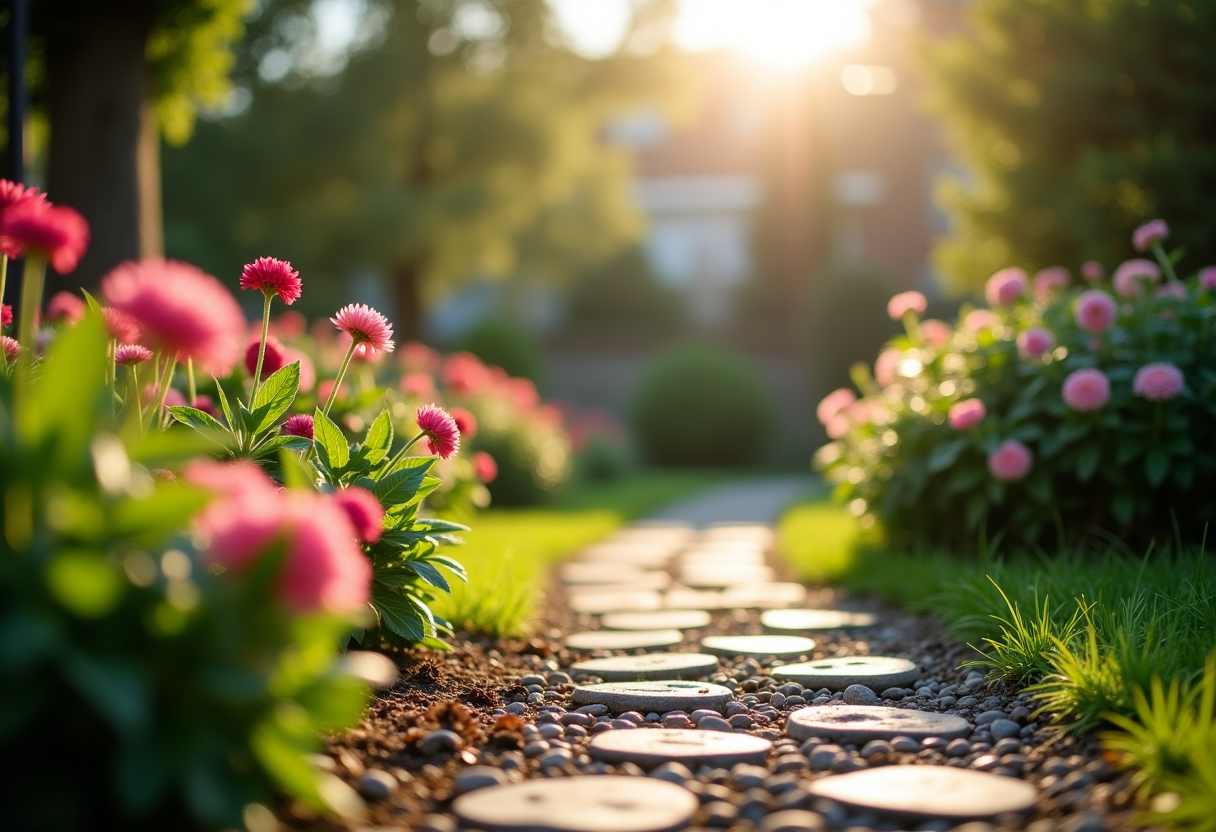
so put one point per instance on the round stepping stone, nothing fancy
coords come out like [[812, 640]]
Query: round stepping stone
[[657, 620], [626, 554], [646, 581], [861, 723], [721, 557], [875, 672], [579, 804], [928, 792], [724, 576], [682, 598], [614, 601], [656, 696], [757, 645], [816, 619], [623, 639], [652, 666], [692, 748], [772, 594], [597, 574]]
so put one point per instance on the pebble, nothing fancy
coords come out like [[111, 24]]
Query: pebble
[[477, 777], [714, 723], [792, 820], [958, 748], [744, 777], [905, 744], [437, 823], [860, 695], [376, 784], [439, 741], [1004, 729]]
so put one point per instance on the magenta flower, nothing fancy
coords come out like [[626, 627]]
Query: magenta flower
[[181, 310], [11, 348], [1010, 461], [833, 403], [523, 392], [1207, 277], [299, 425], [936, 333], [906, 302], [966, 414], [1034, 342], [1050, 281], [1177, 291], [324, 569], [418, 385], [465, 421], [131, 354], [366, 326], [1086, 390], [13, 194], [56, 233], [440, 428], [1152, 232], [465, 374], [363, 510], [65, 308], [308, 373], [1131, 276], [978, 320], [120, 326], [1158, 382], [1095, 311], [420, 358], [6, 315], [1006, 287], [1092, 271], [838, 426], [274, 360], [485, 467], [270, 276]]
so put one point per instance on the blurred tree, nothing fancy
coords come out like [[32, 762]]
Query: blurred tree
[[463, 140], [1078, 119], [623, 291]]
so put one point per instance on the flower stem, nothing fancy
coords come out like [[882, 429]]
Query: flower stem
[[1166, 265], [158, 378], [3, 275], [400, 455], [112, 374], [912, 327], [190, 380], [257, 376], [136, 394], [333, 394], [31, 299]]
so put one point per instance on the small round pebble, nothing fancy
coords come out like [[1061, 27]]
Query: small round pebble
[[440, 741], [376, 784], [792, 820], [860, 695], [477, 777]]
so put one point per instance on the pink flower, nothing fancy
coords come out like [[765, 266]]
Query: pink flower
[[978, 320], [1034, 342], [1131, 276], [66, 308], [366, 326], [181, 310], [465, 374], [6, 315], [132, 354], [299, 425], [290, 325], [11, 348], [274, 360], [884, 366], [906, 302], [207, 405], [1207, 277], [966, 414], [833, 403], [440, 428], [12, 194], [270, 276], [1153, 231], [523, 392], [418, 385], [1095, 311], [466, 422], [485, 467], [419, 357], [56, 233], [1091, 271], [936, 333], [365, 353], [173, 398], [1010, 461], [1006, 287], [1158, 382], [120, 326], [326, 387], [1050, 281], [1086, 390], [364, 511], [308, 373], [1177, 291], [838, 426]]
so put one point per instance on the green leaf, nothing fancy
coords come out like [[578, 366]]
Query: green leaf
[[331, 444], [296, 474], [398, 614], [224, 406], [379, 438], [946, 454], [429, 574], [1156, 466], [1087, 462], [434, 524], [1123, 506], [275, 396], [454, 565], [273, 444], [399, 487], [202, 422]]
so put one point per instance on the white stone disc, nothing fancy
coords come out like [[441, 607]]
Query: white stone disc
[[816, 619], [928, 792], [782, 646], [692, 748], [876, 672], [623, 639], [775, 594], [649, 666], [657, 620], [655, 696], [862, 723], [614, 601], [721, 577]]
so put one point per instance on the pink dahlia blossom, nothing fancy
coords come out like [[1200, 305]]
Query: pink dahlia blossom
[[120, 326], [418, 385], [270, 277], [1158, 382], [366, 354], [465, 421], [936, 333], [1050, 281], [308, 373], [1006, 287], [1132, 276], [1207, 277], [833, 403], [1095, 311], [299, 425], [11, 348], [1010, 461], [207, 405], [274, 360], [419, 358], [1177, 291], [1092, 271], [884, 366], [290, 325], [182, 311], [13, 194], [966, 414], [327, 386], [364, 511], [906, 302], [838, 426], [440, 428], [366, 326], [1034, 342], [523, 392], [65, 308], [1153, 231], [485, 467], [6, 315], [131, 354], [465, 374], [978, 320], [1086, 390], [56, 233]]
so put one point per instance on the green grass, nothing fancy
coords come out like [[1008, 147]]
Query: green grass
[[509, 552]]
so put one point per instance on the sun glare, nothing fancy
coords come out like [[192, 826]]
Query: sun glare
[[781, 32]]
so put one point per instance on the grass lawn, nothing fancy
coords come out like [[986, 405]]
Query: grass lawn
[[509, 551]]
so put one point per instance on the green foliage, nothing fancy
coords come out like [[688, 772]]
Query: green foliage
[[1077, 120], [533, 457], [702, 405], [622, 292], [507, 344], [195, 694], [1022, 651]]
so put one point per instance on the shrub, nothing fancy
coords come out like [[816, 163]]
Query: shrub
[[702, 405], [504, 343], [624, 291], [1059, 410]]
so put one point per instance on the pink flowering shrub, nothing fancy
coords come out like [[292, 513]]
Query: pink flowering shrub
[[1080, 406]]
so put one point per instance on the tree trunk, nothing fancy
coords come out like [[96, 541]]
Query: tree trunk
[[104, 149], [410, 314]]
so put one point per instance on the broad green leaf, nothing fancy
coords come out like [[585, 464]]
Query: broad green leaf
[[203, 422], [400, 486], [429, 574], [398, 614], [273, 444], [69, 395], [434, 524], [331, 444], [296, 474], [1087, 461], [946, 454], [275, 396], [227, 410], [379, 436], [1156, 466], [1123, 506], [456, 567]]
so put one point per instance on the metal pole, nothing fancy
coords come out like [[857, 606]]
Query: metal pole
[[18, 35]]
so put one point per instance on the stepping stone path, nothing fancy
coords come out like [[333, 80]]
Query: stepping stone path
[[875, 672], [623, 639], [611, 601], [657, 620], [658, 696], [651, 666], [928, 792], [816, 619], [862, 723], [691, 748], [779, 646]]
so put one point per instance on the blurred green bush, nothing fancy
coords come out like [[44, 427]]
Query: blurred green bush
[[501, 342], [622, 291]]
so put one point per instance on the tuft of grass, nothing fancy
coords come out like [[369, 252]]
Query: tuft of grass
[[1022, 652]]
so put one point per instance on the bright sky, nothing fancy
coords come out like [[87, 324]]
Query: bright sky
[[783, 32]]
